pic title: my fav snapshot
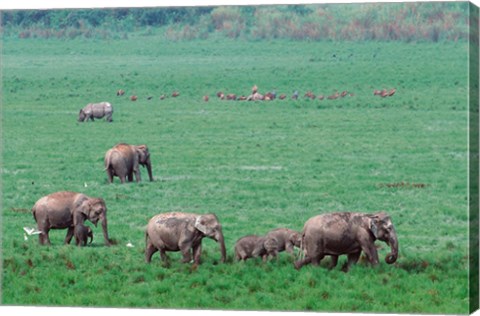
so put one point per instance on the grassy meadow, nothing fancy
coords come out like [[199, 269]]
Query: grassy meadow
[[257, 165]]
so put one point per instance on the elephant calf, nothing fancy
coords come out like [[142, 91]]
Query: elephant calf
[[82, 233], [96, 110], [286, 238], [253, 246]]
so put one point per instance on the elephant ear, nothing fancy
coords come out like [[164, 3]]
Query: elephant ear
[[374, 221], [200, 225], [82, 212], [143, 153]]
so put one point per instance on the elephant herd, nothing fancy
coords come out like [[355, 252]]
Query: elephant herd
[[329, 234], [332, 234]]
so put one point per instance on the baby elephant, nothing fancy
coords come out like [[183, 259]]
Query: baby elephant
[[287, 239], [253, 246], [82, 233]]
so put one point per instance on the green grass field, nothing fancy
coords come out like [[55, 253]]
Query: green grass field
[[257, 165]]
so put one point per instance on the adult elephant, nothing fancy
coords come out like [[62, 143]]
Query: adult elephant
[[123, 161], [182, 232], [67, 209], [346, 233], [96, 110]]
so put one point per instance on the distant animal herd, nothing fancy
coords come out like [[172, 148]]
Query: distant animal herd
[[104, 109], [271, 95]]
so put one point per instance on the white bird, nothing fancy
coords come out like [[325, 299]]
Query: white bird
[[31, 231], [85, 184], [25, 237], [129, 245]]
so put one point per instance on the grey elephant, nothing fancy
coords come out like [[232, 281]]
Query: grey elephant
[[182, 232], [96, 110], [82, 233], [66, 209], [287, 239], [123, 161], [346, 233], [253, 246]]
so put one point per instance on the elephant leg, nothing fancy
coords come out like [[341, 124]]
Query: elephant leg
[[138, 178], [43, 238], [69, 236], [149, 251], [122, 178], [197, 251], [187, 256], [185, 248], [289, 249], [110, 175], [316, 259], [333, 263], [163, 256], [352, 259], [371, 253]]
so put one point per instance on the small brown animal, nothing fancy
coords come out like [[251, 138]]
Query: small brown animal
[[282, 96], [231, 96], [392, 92], [270, 96], [253, 246], [310, 95], [133, 98], [120, 92], [334, 96], [383, 93], [205, 98], [175, 94], [162, 97]]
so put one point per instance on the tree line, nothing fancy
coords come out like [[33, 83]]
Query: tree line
[[421, 21]]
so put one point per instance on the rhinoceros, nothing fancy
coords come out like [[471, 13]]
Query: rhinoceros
[[96, 110]]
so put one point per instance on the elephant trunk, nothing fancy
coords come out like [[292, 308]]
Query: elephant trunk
[[393, 255], [105, 231], [149, 169], [221, 241], [91, 238]]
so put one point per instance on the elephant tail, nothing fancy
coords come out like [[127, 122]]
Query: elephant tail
[[108, 160], [34, 209], [147, 237]]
